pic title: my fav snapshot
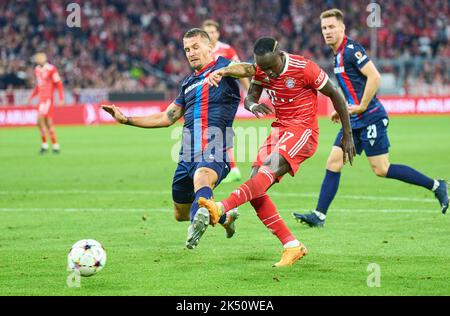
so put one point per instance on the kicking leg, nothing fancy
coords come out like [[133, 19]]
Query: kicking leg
[[254, 190], [274, 166]]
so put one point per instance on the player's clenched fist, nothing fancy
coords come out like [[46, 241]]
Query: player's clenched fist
[[115, 112]]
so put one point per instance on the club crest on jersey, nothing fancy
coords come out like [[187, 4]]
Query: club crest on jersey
[[290, 83]]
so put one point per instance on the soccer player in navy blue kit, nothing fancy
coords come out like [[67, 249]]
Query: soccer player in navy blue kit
[[359, 80], [203, 159]]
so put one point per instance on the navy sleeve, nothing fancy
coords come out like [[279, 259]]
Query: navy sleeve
[[358, 56], [222, 62], [180, 100]]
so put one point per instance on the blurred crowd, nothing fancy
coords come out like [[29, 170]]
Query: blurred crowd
[[136, 45]]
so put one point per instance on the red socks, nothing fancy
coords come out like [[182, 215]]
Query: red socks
[[254, 190], [251, 189], [52, 136], [268, 214], [43, 136]]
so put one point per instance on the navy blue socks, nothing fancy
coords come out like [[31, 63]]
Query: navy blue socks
[[328, 190], [409, 175], [205, 192]]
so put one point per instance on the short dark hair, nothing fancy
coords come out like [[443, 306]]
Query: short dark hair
[[265, 45], [333, 13], [195, 32], [211, 23]]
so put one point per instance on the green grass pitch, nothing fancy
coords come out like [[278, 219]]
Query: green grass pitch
[[112, 183]]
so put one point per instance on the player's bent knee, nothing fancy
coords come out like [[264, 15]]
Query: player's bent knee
[[205, 177], [335, 161], [334, 164], [380, 171]]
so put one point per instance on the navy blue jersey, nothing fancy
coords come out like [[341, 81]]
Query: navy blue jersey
[[208, 112], [349, 59]]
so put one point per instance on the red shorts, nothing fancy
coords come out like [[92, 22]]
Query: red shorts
[[45, 108], [295, 144]]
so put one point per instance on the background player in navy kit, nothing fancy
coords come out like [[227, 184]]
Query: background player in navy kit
[[202, 163], [359, 80]]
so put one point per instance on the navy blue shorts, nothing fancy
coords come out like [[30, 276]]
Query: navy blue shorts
[[373, 139], [183, 179]]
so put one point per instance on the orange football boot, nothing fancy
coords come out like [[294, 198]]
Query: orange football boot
[[291, 255], [213, 209]]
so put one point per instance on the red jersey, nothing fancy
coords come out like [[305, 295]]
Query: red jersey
[[225, 51], [293, 93], [47, 78]]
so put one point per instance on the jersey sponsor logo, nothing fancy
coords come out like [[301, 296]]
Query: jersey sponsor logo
[[338, 70], [195, 85], [290, 83], [360, 57]]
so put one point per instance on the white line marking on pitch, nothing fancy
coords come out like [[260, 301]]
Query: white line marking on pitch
[[125, 210], [144, 192]]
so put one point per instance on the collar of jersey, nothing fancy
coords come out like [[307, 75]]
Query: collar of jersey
[[286, 63], [204, 69], [341, 47]]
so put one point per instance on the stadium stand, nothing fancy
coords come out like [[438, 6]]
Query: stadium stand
[[135, 45]]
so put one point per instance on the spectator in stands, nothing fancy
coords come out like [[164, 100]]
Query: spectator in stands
[[117, 36]]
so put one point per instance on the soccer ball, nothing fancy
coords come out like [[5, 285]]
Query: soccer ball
[[86, 257]]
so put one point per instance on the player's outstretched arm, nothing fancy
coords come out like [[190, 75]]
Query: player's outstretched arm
[[161, 119], [340, 106], [235, 70], [251, 101]]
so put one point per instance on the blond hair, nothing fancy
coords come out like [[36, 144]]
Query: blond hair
[[333, 13]]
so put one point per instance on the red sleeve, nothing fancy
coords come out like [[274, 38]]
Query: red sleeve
[[233, 55], [315, 77], [58, 82]]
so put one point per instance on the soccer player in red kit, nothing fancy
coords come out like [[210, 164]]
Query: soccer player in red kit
[[221, 49], [292, 82], [48, 79]]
